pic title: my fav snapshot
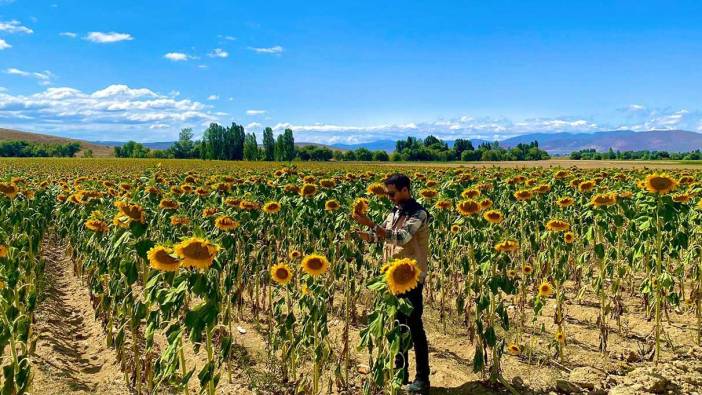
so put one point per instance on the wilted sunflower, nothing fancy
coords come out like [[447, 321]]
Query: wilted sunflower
[[493, 216], [308, 190], [682, 198], [161, 258], [96, 225], [168, 204], [376, 189], [331, 205], [467, 207], [226, 223], [402, 275], [545, 289], [132, 210], [8, 189], [4, 250], [659, 183], [360, 206], [281, 273], [271, 207], [196, 252], [604, 199], [470, 193], [513, 349], [507, 246], [522, 195], [569, 237], [557, 225], [315, 264], [443, 204], [565, 201]]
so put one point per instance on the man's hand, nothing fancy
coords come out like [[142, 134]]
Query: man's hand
[[363, 235], [363, 219]]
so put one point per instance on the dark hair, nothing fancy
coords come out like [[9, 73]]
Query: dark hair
[[399, 181]]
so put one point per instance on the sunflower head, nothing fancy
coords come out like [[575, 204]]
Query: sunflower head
[[168, 204], [209, 212], [162, 258], [327, 183], [513, 349], [428, 193], [545, 289], [281, 273], [493, 216], [132, 210], [523, 195], [196, 252], [295, 254], [660, 183], [308, 190], [557, 225], [4, 250], [226, 223], [467, 207], [443, 204], [455, 228], [470, 193], [271, 207], [508, 245], [315, 264], [96, 225], [402, 276], [331, 205], [565, 201], [360, 206], [527, 269], [180, 220], [682, 198], [560, 337], [9, 189], [569, 237], [586, 186], [377, 189], [603, 199]]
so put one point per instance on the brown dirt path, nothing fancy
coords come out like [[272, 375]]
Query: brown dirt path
[[71, 355]]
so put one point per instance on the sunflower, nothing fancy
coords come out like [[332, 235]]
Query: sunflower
[[523, 195], [604, 199], [209, 212], [96, 225], [161, 258], [295, 254], [682, 198], [376, 189], [402, 276], [308, 190], [569, 237], [291, 188], [327, 183], [470, 193], [360, 206], [686, 180], [542, 189], [456, 228], [507, 246], [443, 204], [485, 204], [560, 337], [513, 349], [248, 205], [331, 205], [527, 269], [4, 250], [565, 201], [315, 264], [271, 207], [428, 193], [226, 223], [179, 220], [560, 174], [625, 195], [168, 204], [196, 252], [467, 207], [586, 186], [281, 273], [493, 216], [545, 289], [659, 183], [557, 225], [132, 210], [9, 189]]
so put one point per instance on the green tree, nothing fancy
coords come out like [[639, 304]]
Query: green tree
[[250, 147], [268, 145], [184, 147]]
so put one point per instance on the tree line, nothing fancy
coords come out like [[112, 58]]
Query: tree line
[[592, 154], [20, 148], [233, 143]]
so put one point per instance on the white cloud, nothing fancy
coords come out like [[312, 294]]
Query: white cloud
[[218, 53], [68, 34], [202, 66], [272, 50], [176, 56], [107, 38], [44, 77], [14, 26], [254, 125], [255, 112], [228, 38], [212, 97], [113, 113], [4, 44]]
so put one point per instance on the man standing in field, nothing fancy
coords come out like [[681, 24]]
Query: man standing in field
[[405, 233]]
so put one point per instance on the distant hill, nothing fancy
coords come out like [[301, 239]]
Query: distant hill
[[17, 135]]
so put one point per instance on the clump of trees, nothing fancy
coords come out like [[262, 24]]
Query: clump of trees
[[30, 149], [433, 149], [592, 154]]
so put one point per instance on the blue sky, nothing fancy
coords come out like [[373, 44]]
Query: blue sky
[[349, 71]]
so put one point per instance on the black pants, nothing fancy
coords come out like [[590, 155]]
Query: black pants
[[414, 323]]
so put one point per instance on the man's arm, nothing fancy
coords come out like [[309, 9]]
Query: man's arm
[[404, 234]]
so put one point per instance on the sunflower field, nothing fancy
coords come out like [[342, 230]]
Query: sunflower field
[[177, 256]]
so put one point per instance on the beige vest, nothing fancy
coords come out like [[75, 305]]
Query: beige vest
[[417, 248]]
